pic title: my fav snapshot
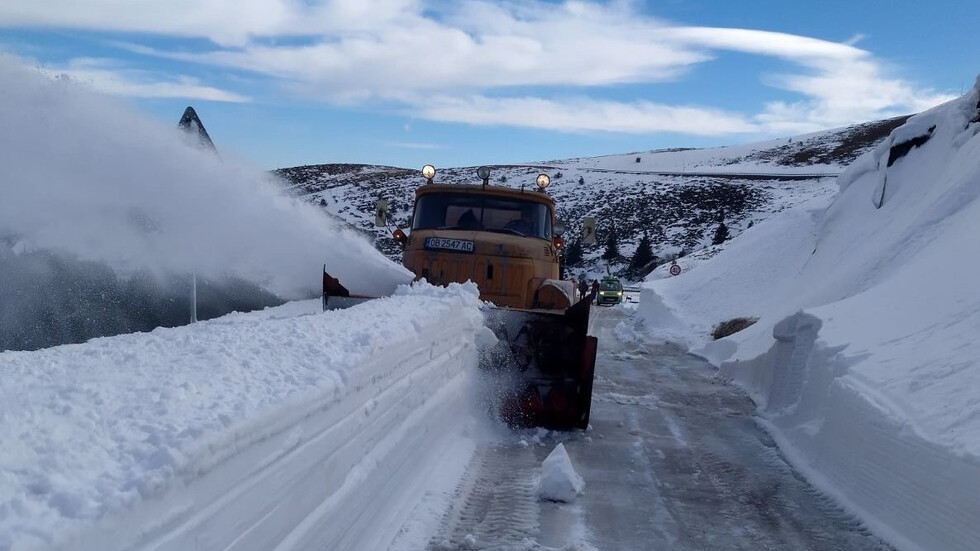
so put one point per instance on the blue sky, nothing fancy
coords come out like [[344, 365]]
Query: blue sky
[[406, 82]]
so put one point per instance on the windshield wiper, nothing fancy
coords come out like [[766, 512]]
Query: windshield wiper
[[460, 228], [507, 230]]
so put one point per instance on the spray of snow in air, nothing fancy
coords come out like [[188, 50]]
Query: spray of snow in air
[[89, 177]]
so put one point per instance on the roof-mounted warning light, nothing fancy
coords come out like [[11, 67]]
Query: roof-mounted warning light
[[484, 173], [543, 180], [428, 172]]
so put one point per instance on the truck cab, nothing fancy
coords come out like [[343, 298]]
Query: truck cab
[[507, 241], [503, 239]]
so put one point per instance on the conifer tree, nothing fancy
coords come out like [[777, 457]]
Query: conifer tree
[[721, 234], [612, 247], [642, 256], [573, 255]]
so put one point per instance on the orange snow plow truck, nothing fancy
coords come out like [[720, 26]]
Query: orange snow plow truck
[[508, 242]]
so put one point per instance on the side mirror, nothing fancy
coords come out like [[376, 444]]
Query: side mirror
[[559, 229]]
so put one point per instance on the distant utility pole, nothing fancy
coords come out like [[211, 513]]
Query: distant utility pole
[[194, 297]]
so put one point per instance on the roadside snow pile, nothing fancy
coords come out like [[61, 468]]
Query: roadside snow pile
[[753, 275], [559, 481], [865, 361], [280, 428]]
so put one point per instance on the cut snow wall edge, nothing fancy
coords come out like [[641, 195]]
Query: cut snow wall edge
[[660, 319], [355, 442], [967, 109], [914, 493], [844, 440]]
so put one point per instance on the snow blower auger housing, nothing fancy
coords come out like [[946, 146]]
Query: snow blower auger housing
[[507, 241]]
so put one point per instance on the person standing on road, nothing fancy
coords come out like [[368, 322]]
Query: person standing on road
[[583, 288], [595, 290]]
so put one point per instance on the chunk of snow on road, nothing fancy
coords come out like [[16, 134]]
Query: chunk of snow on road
[[559, 481], [626, 333]]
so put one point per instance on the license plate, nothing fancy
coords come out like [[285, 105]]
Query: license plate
[[442, 243]]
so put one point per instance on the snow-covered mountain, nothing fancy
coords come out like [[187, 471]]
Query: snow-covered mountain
[[675, 196]]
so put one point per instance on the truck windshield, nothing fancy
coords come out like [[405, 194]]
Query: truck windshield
[[457, 211]]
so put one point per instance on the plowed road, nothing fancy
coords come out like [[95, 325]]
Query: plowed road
[[674, 460]]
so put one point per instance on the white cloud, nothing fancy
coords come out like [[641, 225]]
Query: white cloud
[[414, 145], [493, 46], [350, 51], [110, 77], [842, 84], [225, 22], [579, 115], [787, 46], [837, 96]]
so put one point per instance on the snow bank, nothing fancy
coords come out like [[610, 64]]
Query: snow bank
[[89, 177], [752, 277], [865, 361], [559, 481], [281, 428]]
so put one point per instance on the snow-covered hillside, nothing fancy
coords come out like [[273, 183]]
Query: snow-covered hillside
[[864, 362], [675, 196], [823, 152]]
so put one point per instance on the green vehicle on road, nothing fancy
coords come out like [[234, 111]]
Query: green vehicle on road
[[610, 291]]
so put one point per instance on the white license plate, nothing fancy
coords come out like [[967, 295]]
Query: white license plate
[[458, 245]]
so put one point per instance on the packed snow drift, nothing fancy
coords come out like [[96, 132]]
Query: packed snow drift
[[864, 362], [273, 429], [559, 481], [101, 188]]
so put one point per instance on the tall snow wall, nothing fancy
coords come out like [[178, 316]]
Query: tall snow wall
[[283, 429], [865, 361]]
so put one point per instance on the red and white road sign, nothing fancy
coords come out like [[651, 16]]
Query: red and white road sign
[[675, 270]]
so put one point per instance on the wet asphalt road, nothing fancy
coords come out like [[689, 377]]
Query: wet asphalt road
[[674, 460]]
